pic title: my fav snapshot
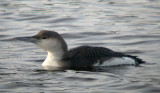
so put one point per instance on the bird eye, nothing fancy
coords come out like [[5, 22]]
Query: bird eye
[[44, 37]]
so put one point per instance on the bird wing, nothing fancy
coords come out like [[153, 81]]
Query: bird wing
[[87, 55], [92, 52]]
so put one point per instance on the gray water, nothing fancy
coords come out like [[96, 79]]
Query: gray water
[[130, 26]]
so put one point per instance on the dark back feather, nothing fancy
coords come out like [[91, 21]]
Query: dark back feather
[[92, 52], [87, 55]]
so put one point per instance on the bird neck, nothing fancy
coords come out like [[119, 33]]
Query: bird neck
[[56, 55], [54, 59]]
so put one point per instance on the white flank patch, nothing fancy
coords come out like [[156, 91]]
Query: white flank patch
[[117, 61]]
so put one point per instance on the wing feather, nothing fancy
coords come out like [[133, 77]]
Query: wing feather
[[92, 52], [87, 56]]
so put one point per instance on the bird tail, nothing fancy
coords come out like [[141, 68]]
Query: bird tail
[[138, 60]]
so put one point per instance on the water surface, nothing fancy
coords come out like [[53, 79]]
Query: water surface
[[127, 26]]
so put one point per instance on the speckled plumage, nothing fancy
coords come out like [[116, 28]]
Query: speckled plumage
[[87, 56]]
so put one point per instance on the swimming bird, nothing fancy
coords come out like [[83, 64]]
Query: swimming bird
[[83, 56]]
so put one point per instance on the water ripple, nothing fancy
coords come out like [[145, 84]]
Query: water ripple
[[131, 26]]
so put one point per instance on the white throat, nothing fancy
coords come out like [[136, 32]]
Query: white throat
[[54, 59]]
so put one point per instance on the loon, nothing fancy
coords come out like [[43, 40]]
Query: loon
[[79, 57]]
